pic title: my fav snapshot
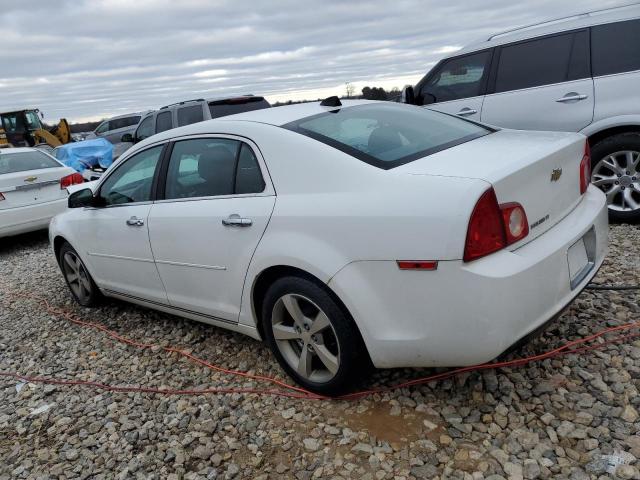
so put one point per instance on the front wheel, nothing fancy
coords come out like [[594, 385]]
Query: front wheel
[[315, 341], [616, 171], [83, 289]]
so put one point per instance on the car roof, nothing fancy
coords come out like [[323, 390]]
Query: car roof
[[556, 25], [130, 115], [210, 99], [290, 113]]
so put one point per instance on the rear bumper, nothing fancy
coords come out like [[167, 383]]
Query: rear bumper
[[469, 313], [29, 218]]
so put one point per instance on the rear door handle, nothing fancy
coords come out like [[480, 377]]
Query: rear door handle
[[135, 222], [466, 111], [236, 220], [572, 97]]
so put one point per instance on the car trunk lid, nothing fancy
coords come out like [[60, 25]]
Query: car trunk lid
[[539, 170], [32, 187]]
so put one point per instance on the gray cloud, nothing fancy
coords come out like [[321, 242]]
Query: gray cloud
[[95, 58]]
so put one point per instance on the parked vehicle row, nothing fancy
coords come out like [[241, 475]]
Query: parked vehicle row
[[579, 74], [343, 234]]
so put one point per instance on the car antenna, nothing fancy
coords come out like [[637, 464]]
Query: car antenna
[[333, 101]]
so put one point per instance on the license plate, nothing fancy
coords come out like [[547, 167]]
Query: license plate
[[578, 262]]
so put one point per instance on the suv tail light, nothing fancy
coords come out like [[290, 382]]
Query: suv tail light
[[585, 168], [492, 227], [73, 179], [1, 197]]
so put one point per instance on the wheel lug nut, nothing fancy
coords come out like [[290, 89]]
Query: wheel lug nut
[[306, 327], [627, 172], [621, 188], [617, 183], [619, 175]]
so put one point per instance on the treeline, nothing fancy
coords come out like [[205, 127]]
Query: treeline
[[368, 93]]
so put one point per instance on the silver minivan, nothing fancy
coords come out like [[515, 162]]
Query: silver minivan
[[577, 74]]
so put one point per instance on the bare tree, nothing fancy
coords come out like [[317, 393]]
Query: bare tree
[[350, 89]]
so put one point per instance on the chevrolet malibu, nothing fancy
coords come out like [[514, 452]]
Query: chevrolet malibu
[[344, 235]]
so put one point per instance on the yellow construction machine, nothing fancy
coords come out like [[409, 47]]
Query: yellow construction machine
[[23, 128]]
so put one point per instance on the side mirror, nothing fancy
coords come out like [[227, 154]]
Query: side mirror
[[81, 198], [408, 95], [428, 98], [127, 137]]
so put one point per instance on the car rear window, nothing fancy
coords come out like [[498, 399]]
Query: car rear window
[[387, 135], [222, 108], [24, 161]]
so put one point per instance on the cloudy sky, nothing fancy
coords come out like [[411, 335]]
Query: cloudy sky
[[97, 58]]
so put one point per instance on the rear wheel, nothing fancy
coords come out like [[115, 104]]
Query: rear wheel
[[616, 171], [82, 287], [312, 337]]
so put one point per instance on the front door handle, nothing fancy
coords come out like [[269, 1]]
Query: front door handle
[[466, 111], [572, 97], [236, 220], [135, 222]]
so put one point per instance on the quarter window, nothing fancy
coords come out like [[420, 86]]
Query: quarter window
[[132, 181], [104, 127], [163, 122], [615, 47], [189, 115], [458, 78], [542, 61], [207, 167]]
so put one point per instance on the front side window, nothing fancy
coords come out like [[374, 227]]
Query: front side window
[[24, 161], [132, 181], [163, 122], [33, 121], [209, 167], [388, 134], [615, 47], [145, 129], [461, 77], [102, 128], [543, 61], [189, 115]]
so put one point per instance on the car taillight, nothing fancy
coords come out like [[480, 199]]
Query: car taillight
[[492, 227], [1, 197], [73, 179], [585, 168]]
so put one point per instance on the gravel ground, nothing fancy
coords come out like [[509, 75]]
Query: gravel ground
[[568, 417]]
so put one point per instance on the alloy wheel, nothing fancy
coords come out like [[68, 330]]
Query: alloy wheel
[[76, 276], [305, 337], [618, 176]]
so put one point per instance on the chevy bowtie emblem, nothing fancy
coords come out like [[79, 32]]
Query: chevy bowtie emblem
[[30, 179], [556, 174]]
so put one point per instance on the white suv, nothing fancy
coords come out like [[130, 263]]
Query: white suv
[[579, 74]]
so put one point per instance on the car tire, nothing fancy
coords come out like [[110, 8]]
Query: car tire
[[328, 358], [81, 285], [624, 169]]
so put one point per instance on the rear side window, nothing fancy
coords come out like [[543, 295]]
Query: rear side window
[[163, 122], [461, 77], [542, 61], [615, 47], [189, 115], [208, 167], [232, 106], [388, 134], [24, 161]]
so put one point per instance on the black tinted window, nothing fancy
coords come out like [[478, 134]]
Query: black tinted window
[[388, 134], [231, 107], [132, 181], [533, 63], [248, 176], [145, 129], [202, 168], [163, 122], [189, 115], [615, 47], [457, 78]]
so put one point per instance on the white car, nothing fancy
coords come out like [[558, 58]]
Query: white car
[[575, 74], [32, 189], [343, 234]]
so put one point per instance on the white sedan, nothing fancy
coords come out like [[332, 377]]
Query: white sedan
[[344, 234], [33, 189]]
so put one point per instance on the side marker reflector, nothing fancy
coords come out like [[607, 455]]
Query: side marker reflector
[[417, 264]]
